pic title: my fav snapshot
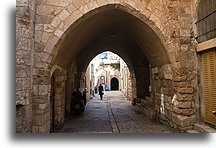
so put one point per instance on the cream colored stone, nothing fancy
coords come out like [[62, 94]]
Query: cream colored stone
[[72, 18], [48, 28], [58, 33], [185, 32], [61, 26], [62, 3], [84, 9], [111, 1], [131, 3], [38, 36], [45, 37], [183, 104], [102, 2], [156, 21], [46, 57], [56, 21], [146, 13], [92, 5], [39, 27], [22, 3], [64, 14], [71, 8], [50, 44]]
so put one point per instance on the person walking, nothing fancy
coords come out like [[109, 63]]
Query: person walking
[[101, 91]]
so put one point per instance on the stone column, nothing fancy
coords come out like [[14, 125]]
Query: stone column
[[25, 16], [41, 101]]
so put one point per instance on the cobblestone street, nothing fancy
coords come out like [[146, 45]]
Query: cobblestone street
[[113, 114]]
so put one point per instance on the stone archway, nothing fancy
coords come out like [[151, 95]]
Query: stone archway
[[73, 34]]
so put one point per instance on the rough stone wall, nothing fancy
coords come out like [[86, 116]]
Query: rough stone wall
[[25, 16], [88, 82], [59, 100], [126, 82], [174, 99]]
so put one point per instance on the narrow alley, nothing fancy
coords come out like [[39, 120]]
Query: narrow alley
[[113, 114]]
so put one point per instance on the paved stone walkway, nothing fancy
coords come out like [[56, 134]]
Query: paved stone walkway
[[113, 114]]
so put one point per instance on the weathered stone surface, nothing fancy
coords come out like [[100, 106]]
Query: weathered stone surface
[[64, 14], [22, 3], [185, 90], [183, 104], [71, 8], [43, 89], [56, 21], [171, 21], [185, 112], [50, 44], [183, 121], [44, 19], [58, 33], [48, 28], [45, 37], [184, 97], [61, 3]]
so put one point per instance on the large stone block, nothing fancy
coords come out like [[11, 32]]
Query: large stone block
[[185, 90], [185, 112], [184, 97], [56, 21], [39, 120], [45, 37], [50, 44], [182, 121], [183, 104], [43, 89], [59, 3], [58, 33], [22, 3], [64, 14], [44, 19], [48, 28]]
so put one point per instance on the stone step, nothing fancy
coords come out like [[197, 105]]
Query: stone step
[[203, 128], [192, 132]]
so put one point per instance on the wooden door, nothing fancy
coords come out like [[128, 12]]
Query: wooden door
[[208, 62]]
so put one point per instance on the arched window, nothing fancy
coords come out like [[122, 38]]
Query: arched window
[[206, 20]]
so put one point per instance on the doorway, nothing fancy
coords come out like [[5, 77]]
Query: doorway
[[114, 84]]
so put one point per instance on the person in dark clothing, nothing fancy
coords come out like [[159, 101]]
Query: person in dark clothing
[[95, 89], [101, 91], [75, 95]]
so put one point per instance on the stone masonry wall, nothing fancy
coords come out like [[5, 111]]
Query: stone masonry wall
[[170, 19], [174, 99], [25, 17], [126, 82]]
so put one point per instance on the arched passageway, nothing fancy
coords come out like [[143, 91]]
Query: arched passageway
[[155, 39], [135, 41], [131, 35], [114, 84], [105, 29]]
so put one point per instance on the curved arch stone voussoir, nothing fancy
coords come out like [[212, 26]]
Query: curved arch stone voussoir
[[68, 16]]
